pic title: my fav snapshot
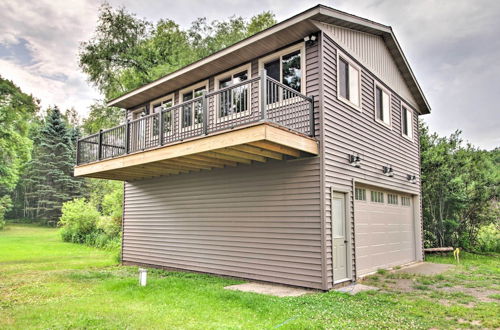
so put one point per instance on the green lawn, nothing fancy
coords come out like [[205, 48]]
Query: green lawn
[[45, 283]]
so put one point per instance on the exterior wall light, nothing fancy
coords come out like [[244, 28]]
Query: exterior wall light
[[310, 39], [355, 161], [388, 171], [411, 178]]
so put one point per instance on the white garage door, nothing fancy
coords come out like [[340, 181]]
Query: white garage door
[[384, 229]]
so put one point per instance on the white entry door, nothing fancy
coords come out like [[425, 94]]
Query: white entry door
[[339, 238]]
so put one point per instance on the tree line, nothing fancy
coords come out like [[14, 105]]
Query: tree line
[[37, 148]]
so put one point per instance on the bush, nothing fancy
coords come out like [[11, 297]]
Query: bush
[[488, 238], [78, 220], [5, 205]]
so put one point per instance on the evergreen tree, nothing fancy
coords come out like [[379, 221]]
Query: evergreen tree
[[49, 180]]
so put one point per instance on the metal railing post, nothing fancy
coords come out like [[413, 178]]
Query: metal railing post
[[127, 136], [263, 93], [204, 107], [99, 146], [311, 117], [78, 152], [161, 128]]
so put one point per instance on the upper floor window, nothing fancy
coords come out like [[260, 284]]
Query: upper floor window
[[157, 106], [235, 100], [138, 113], [287, 67], [382, 105], [348, 82], [192, 113], [406, 122]]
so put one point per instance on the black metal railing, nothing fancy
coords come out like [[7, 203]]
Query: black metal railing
[[258, 99]]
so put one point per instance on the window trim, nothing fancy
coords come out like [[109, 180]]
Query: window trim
[[410, 110], [274, 56], [203, 83], [226, 74], [138, 110], [160, 100], [357, 67], [388, 92]]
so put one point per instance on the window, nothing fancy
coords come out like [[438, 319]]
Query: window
[[160, 105], [236, 100], [360, 194], [286, 67], [382, 105], [348, 82], [377, 196], [138, 113], [407, 122], [192, 113], [405, 201], [392, 199]]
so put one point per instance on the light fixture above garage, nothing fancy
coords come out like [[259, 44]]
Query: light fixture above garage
[[355, 161], [388, 171], [411, 178]]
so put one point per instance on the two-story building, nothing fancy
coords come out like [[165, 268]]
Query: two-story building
[[291, 156]]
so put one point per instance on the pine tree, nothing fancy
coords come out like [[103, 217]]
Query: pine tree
[[49, 180]]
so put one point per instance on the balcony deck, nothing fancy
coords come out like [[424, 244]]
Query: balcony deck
[[260, 121], [255, 143]]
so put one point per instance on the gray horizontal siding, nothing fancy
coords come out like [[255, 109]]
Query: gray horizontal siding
[[256, 221], [349, 131]]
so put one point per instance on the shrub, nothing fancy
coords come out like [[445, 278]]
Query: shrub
[[488, 238], [109, 225], [5, 205], [78, 220]]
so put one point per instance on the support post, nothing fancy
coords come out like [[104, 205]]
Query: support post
[[127, 136], [263, 94], [161, 127], [311, 117], [204, 106], [99, 146]]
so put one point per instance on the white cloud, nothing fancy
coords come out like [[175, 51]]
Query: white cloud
[[452, 46]]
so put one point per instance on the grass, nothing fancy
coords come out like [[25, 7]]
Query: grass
[[45, 283]]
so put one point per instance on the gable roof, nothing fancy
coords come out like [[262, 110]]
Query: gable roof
[[266, 41]]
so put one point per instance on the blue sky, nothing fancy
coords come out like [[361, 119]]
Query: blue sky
[[452, 46]]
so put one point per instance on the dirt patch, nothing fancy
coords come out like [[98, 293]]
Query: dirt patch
[[480, 294]]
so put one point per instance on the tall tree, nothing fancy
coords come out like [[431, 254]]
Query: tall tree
[[17, 111], [459, 184], [17, 114], [126, 52], [48, 181]]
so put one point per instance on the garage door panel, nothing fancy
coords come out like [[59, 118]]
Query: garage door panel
[[384, 233]]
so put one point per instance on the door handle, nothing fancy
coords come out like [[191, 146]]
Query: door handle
[[345, 242]]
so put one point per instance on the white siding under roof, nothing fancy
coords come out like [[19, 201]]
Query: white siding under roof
[[371, 51]]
